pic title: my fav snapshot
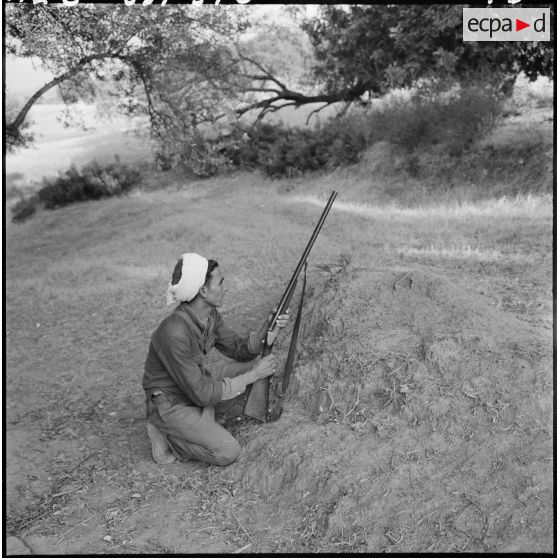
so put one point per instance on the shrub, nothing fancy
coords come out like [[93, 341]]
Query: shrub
[[430, 115], [454, 118], [203, 156], [91, 182], [24, 208], [345, 138], [207, 158], [282, 151]]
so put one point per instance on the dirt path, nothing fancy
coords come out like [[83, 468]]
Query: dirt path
[[85, 290]]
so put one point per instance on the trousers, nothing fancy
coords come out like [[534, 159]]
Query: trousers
[[191, 431]]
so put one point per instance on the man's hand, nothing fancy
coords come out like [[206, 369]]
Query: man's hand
[[282, 320], [264, 368]]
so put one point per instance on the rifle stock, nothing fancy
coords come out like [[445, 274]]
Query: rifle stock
[[257, 402]]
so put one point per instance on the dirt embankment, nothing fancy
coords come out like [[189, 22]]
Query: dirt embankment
[[419, 419]]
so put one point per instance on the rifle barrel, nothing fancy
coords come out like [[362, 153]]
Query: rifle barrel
[[294, 277]]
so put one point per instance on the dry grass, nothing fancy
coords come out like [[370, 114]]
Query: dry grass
[[85, 288], [528, 206]]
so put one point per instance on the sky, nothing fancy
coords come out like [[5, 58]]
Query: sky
[[22, 76]]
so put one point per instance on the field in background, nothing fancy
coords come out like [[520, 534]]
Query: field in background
[[99, 137]]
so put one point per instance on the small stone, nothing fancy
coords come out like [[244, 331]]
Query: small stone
[[107, 538]]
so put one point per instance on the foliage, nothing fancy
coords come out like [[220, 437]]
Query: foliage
[[91, 182], [454, 119], [208, 158], [284, 50], [172, 65], [24, 208], [282, 151], [23, 138], [186, 66], [376, 48]]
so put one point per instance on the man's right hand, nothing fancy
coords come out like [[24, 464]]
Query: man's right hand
[[264, 368]]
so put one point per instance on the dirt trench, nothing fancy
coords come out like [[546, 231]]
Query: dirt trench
[[419, 419]]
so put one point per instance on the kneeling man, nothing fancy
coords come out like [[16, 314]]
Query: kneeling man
[[181, 390]]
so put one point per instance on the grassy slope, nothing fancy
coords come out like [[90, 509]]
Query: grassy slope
[[85, 288]]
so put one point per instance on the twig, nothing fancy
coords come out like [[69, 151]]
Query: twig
[[332, 404], [242, 526], [427, 515], [392, 538], [315, 111], [354, 406], [239, 550], [65, 492], [74, 527]]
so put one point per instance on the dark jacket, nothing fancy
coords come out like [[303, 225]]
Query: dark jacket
[[177, 354]]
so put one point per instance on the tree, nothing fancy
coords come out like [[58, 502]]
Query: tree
[[364, 51], [173, 64], [183, 66]]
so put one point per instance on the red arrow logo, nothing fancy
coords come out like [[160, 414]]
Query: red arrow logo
[[519, 25]]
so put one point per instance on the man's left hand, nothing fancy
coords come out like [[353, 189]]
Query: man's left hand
[[282, 320]]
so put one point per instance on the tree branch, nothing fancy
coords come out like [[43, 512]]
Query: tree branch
[[315, 111], [294, 98], [13, 128], [266, 72]]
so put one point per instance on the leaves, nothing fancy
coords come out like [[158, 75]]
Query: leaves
[[393, 46], [177, 62]]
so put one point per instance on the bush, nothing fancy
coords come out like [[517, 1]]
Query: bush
[[209, 158], [282, 151], [455, 119], [452, 119], [24, 208], [91, 182]]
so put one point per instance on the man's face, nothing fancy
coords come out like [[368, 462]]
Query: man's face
[[214, 289]]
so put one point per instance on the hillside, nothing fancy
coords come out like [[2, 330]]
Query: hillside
[[420, 415]]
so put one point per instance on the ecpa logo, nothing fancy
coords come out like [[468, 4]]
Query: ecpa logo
[[506, 24]]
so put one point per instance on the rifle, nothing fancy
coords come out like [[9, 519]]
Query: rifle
[[257, 403]]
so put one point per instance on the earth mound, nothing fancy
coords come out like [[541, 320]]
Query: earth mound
[[418, 419]]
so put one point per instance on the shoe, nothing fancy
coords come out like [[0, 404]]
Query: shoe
[[162, 454]]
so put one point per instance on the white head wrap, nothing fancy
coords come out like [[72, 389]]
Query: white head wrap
[[194, 270]]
